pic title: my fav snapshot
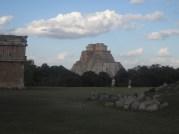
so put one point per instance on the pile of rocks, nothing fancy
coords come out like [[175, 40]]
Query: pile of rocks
[[149, 100], [167, 89]]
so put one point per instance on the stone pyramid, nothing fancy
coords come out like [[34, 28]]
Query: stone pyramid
[[98, 59]]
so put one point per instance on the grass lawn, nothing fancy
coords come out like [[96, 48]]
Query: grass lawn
[[65, 110]]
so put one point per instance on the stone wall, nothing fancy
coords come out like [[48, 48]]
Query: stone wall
[[12, 57], [96, 47], [11, 75]]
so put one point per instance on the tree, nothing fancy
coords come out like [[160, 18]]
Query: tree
[[29, 71], [90, 79], [153, 75], [121, 78], [45, 75], [104, 79]]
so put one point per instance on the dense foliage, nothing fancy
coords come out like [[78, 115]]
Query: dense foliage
[[122, 78], [92, 79], [45, 75], [154, 75]]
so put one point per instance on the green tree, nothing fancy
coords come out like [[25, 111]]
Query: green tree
[[104, 79], [90, 79], [121, 78], [29, 71]]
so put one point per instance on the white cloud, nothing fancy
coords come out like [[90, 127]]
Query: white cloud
[[165, 61], [136, 52], [136, 1], [61, 56], [135, 61], [163, 57], [4, 20], [130, 63], [131, 58], [177, 22], [163, 34], [65, 59], [77, 25], [163, 52], [155, 16]]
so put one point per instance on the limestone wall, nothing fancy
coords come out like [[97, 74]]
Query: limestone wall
[[96, 47], [12, 57], [11, 75]]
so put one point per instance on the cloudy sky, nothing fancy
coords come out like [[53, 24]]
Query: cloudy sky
[[138, 32]]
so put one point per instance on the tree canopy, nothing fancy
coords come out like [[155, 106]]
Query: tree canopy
[[46, 75]]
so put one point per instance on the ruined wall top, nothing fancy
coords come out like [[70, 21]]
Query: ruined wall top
[[12, 48], [12, 39], [96, 47]]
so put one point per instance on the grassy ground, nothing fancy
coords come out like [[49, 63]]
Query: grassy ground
[[66, 111]]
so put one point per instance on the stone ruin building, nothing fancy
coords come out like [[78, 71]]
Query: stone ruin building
[[97, 58], [12, 58]]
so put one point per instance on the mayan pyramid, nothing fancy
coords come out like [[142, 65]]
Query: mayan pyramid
[[97, 58]]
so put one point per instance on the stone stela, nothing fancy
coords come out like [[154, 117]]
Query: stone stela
[[12, 58], [97, 58], [130, 84]]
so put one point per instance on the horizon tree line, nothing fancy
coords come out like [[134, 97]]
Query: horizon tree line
[[46, 75]]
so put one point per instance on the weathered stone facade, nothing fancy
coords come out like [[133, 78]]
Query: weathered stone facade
[[12, 57], [98, 59]]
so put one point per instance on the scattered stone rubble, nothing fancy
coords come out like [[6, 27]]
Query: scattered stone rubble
[[150, 100]]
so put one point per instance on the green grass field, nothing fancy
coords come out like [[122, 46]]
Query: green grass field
[[66, 111]]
